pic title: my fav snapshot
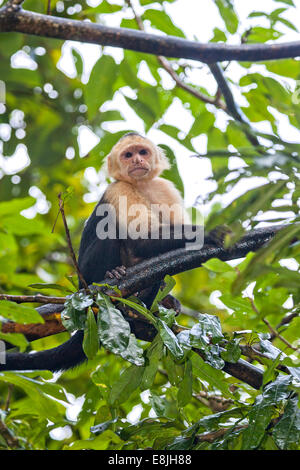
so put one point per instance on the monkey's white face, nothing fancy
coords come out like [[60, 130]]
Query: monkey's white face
[[136, 161]]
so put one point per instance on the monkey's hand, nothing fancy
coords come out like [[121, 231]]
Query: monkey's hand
[[217, 236], [116, 273]]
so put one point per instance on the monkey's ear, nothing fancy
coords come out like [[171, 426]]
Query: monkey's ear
[[162, 161]]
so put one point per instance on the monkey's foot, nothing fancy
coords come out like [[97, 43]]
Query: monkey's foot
[[171, 302], [116, 273]]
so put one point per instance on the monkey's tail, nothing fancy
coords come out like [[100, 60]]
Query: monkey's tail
[[63, 357]]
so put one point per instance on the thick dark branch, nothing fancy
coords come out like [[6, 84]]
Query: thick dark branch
[[14, 18], [148, 272], [143, 274], [231, 107]]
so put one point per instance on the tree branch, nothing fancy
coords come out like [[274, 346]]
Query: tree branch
[[72, 253], [231, 107], [14, 18], [169, 69], [11, 441]]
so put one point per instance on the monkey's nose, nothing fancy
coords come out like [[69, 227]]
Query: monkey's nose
[[138, 159]]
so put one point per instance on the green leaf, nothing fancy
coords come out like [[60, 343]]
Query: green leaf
[[206, 331], [113, 329], [100, 85], [40, 392], [129, 381], [17, 339], [15, 206], [19, 313], [288, 2], [169, 339], [259, 417], [147, 105], [175, 371], [262, 411], [232, 353], [74, 314], [217, 266], [269, 373], [41, 286], [148, 427], [133, 353], [19, 225], [103, 8], [162, 21], [140, 308], [169, 283], [228, 15], [159, 404], [211, 375], [154, 354], [185, 389], [101, 442], [81, 301], [167, 315], [286, 432], [173, 173], [78, 62], [90, 340], [260, 34]]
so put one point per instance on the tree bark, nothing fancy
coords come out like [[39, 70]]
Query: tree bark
[[14, 18]]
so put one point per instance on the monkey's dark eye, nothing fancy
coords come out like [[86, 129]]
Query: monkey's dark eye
[[143, 152], [128, 154]]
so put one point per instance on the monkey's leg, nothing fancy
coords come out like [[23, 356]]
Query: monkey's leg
[[171, 302]]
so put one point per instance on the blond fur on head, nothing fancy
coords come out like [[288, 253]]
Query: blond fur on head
[[159, 161]]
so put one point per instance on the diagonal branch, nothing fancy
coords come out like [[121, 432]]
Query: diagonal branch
[[14, 18], [169, 69], [231, 107]]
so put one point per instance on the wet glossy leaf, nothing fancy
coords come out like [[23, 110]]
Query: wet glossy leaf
[[113, 329], [90, 340]]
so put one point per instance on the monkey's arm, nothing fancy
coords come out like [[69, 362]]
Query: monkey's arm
[[169, 238]]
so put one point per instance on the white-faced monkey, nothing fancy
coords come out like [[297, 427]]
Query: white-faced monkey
[[139, 216]]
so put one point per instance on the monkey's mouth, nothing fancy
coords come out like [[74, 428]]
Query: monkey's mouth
[[139, 171]]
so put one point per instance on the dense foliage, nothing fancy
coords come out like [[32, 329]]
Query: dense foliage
[[56, 126]]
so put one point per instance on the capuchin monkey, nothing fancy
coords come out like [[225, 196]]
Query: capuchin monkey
[[139, 216]]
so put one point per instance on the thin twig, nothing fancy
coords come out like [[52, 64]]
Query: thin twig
[[214, 435], [72, 253], [277, 335], [49, 7], [36, 298], [8, 398], [10, 440], [274, 332], [206, 99], [169, 69]]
